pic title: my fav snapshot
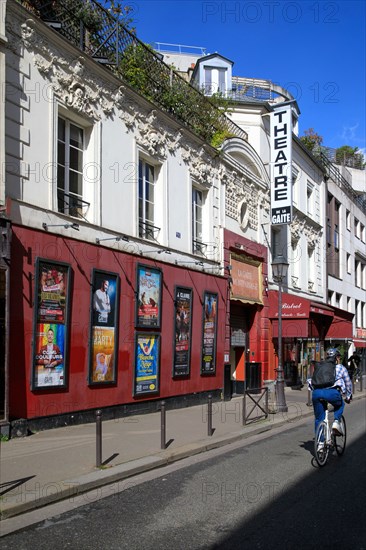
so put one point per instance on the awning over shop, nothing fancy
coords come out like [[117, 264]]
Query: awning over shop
[[291, 328], [341, 327], [293, 307], [321, 309], [359, 343]]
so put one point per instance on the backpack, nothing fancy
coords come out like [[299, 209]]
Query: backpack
[[324, 375]]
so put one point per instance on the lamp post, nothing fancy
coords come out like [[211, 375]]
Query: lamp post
[[279, 271]]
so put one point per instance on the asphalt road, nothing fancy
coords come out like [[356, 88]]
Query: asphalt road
[[262, 494]]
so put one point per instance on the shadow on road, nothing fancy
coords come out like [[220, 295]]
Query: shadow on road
[[332, 500]]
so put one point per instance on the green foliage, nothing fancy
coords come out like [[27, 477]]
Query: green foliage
[[311, 139], [350, 156], [219, 137], [157, 83]]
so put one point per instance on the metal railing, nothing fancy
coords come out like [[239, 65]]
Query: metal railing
[[101, 34], [334, 174]]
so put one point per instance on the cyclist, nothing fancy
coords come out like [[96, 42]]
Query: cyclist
[[333, 393]]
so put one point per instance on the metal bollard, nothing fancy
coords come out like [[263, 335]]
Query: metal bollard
[[361, 381], [309, 403], [209, 415], [98, 415], [163, 426]]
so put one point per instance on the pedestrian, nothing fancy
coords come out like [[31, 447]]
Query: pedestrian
[[353, 364]]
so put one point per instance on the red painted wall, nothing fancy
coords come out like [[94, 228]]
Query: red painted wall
[[259, 332], [27, 245]]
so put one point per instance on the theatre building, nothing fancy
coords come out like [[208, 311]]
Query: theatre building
[[114, 281]]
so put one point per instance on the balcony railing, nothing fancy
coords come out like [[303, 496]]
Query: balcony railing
[[101, 34], [148, 231], [335, 175], [71, 204]]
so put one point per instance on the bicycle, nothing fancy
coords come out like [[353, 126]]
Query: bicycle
[[326, 440]]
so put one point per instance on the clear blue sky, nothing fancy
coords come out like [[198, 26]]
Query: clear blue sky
[[315, 49]]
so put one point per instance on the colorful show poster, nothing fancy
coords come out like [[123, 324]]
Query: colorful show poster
[[147, 355], [183, 321], [103, 327], [208, 365], [102, 355], [149, 282], [52, 290], [49, 367], [104, 299]]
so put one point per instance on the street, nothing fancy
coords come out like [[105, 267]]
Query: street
[[265, 494]]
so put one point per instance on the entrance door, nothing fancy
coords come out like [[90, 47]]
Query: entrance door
[[239, 345]]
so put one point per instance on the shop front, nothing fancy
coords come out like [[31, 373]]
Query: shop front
[[308, 329]]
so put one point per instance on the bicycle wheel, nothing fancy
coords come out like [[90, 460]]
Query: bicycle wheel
[[321, 448], [340, 440]]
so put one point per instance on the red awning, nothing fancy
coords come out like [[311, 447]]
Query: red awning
[[359, 343], [291, 328], [340, 328], [321, 309]]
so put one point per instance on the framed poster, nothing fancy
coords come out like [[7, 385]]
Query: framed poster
[[103, 346], [148, 303], [183, 330], [51, 313], [147, 363], [209, 330]]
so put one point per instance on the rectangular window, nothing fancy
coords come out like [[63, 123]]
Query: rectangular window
[[338, 300], [330, 296], [357, 276], [197, 229], [358, 313], [70, 151], [208, 81], [348, 220], [310, 189], [336, 237], [362, 232], [146, 200], [222, 80], [349, 263], [357, 228], [349, 304]]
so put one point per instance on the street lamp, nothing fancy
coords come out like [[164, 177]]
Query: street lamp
[[279, 272]]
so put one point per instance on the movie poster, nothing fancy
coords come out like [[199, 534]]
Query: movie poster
[[149, 288], [104, 327], [147, 357], [49, 356], [50, 332], [210, 303], [182, 325]]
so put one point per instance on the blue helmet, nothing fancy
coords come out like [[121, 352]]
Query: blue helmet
[[333, 352]]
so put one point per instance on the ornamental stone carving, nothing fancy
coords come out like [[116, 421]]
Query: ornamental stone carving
[[152, 136], [296, 229], [313, 237], [200, 166]]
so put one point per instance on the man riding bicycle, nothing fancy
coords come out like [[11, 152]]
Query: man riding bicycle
[[333, 393]]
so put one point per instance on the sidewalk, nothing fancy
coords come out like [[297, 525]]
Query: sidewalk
[[56, 464]]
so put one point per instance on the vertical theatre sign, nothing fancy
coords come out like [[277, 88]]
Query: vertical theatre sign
[[281, 170]]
